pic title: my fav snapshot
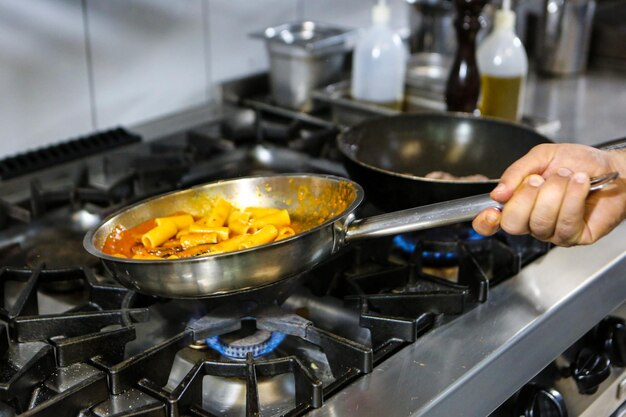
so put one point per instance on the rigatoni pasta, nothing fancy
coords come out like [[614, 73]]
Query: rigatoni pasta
[[195, 239], [159, 234], [181, 220], [239, 222], [180, 235], [284, 232], [277, 218], [218, 215]]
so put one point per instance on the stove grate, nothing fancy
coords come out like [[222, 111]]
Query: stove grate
[[16, 381], [52, 155], [187, 395], [26, 324], [70, 350], [36, 347]]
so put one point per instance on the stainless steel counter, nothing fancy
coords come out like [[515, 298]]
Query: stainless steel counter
[[471, 365], [590, 107]]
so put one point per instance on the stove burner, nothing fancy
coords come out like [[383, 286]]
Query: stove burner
[[437, 245], [408, 244], [55, 256], [259, 343]]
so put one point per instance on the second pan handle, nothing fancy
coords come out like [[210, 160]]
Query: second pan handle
[[436, 215]]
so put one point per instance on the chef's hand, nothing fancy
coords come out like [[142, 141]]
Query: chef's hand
[[546, 194]]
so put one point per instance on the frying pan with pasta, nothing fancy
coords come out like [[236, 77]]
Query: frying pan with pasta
[[321, 205]]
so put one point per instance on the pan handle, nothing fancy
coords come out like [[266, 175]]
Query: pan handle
[[436, 215], [419, 218]]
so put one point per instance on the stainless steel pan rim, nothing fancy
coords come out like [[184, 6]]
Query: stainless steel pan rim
[[91, 248]]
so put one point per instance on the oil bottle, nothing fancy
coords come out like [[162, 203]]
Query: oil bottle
[[503, 66]]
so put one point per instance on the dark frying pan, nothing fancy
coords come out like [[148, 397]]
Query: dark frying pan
[[390, 156]]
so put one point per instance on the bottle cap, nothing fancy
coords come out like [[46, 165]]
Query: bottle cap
[[381, 12], [505, 19]]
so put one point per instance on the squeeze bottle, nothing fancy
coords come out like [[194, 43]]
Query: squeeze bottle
[[503, 66], [379, 62]]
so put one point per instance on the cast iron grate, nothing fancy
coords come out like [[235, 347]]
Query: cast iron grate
[[40, 201], [76, 193], [36, 347], [81, 341], [70, 150], [347, 360]]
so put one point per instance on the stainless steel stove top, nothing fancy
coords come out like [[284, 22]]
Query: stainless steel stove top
[[380, 329]]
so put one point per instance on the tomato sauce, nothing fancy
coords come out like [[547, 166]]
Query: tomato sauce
[[121, 241]]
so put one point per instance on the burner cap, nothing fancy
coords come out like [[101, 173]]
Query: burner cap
[[259, 343]]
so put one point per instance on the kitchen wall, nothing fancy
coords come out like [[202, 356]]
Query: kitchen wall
[[69, 67]]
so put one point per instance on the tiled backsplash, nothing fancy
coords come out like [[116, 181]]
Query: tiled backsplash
[[44, 88], [69, 67], [232, 52], [148, 58], [352, 13]]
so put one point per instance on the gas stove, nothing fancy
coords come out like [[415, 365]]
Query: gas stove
[[391, 326]]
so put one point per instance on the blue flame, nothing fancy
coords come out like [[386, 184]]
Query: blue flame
[[240, 352], [408, 244], [438, 255], [473, 235], [404, 244]]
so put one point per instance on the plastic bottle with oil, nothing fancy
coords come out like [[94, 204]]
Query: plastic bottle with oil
[[503, 67]]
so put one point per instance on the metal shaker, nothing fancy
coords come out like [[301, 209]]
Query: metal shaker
[[565, 30]]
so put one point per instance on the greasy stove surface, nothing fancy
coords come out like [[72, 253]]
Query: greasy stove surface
[[74, 340]]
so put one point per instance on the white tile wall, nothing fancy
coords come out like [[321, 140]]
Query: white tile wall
[[148, 58], [68, 67], [232, 52], [44, 93], [353, 13]]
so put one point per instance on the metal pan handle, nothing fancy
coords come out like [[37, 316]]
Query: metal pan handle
[[602, 181], [436, 215]]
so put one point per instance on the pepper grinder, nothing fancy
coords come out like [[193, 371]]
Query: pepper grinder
[[463, 86]]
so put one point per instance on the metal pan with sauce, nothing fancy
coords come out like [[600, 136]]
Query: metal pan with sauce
[[324, 203]]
